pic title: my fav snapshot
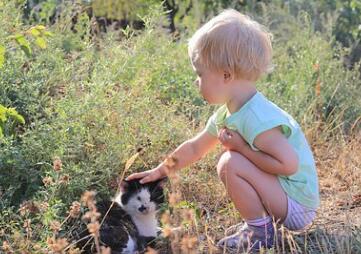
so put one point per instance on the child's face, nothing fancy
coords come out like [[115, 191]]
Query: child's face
[[211, 85]]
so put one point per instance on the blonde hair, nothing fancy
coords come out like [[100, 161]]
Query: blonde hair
[[232, 42]]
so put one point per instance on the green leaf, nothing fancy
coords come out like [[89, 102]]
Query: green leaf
[[47, 33], [3, 111], [26, 49], [35, 32], [40, 42], [24, 44], [2, 56], [11, 112], [40, 27], [6, 113]]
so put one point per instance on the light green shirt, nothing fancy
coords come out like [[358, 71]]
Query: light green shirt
[[258, 115]]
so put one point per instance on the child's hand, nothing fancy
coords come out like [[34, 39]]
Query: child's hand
[[231, 140], [149, 175]]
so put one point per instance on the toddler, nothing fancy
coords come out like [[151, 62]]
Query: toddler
[[267, 167]]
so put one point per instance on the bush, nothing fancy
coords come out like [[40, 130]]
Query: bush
[[94, 102]]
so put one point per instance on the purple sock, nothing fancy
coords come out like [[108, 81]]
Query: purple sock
[[259, 221]]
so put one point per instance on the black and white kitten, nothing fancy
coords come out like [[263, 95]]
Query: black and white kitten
[[131, 223]]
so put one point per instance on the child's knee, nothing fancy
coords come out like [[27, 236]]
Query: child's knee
[[227, 164]]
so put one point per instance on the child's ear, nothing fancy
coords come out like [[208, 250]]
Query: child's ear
[[227, 76]]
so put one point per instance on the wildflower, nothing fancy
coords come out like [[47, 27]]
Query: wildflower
[[6, 247], [91, 216], [151, 251], [17, 236], [174, 198], [64, 179], [28, 207], [165, 219], [188, 243], [172, 175], [93, 227], [48, 181], [55, 226], [316, 66], [43, 206], [27, 223], [57, 245], [74, 251], [188, 215], [75, 209], [170, 162], [88, 197], [167, 231], [57, 164], [37, 247]]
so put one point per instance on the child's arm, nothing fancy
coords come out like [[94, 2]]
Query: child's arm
[[187, 153], [276, 155]]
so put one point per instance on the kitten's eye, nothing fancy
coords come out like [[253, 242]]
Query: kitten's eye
[[138, 198]]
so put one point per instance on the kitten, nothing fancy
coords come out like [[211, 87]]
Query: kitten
[[131, 223]]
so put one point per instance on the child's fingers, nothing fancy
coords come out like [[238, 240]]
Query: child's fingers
[[229, 133], [149, 178], [222, 134], [226, 135], [221, 138], [137, 175]]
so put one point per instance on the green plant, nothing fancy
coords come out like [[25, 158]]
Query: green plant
[[9, 117], [95, 101]]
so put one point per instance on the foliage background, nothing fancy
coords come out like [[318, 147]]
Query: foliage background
[[96, 81]]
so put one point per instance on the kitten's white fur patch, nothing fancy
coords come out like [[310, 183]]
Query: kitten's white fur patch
[[146, 222], [131, 246]]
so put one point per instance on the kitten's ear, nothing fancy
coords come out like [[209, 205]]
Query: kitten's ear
[[123, 186], [161, 182]]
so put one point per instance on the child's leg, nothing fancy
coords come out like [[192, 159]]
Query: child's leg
[[254, 192], [257, 195]]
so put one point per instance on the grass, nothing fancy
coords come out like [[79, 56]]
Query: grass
[[92, 103], [337, 225]]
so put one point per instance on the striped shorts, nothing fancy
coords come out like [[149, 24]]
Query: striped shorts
[[298, 216]]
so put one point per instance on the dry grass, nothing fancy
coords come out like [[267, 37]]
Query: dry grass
[[337, 228], [200, 212]]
